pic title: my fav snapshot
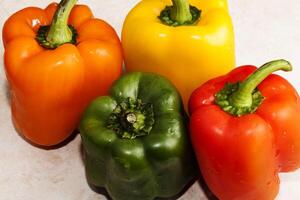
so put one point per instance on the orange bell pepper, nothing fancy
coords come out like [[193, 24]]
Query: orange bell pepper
[[54, 69]]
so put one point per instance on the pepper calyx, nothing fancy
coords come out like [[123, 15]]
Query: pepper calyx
[[244, 97], [41, 37], [59, 32], [131, 118], [165, 17], [223, 99]]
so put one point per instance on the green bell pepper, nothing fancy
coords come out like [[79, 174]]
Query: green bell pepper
[[135, 140]]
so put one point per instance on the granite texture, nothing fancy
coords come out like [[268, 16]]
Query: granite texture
[[264, 30]]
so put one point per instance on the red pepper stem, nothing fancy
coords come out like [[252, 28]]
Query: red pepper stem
[[181, 11], [59, 32], [243, 96]]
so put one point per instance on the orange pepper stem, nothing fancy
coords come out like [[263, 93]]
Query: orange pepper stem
[[59, 32]]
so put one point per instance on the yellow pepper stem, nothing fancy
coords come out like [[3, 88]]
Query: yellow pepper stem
[[181, 11]]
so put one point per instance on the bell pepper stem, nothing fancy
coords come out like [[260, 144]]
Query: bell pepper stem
[[59, 32], [181, 11], [131, 118], [243, 96]]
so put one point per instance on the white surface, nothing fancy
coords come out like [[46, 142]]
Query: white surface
[[265, 30]]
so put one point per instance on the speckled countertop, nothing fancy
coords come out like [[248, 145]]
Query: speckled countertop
[[265, 30]]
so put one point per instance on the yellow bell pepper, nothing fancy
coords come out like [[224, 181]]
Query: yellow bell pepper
[[187, 43]]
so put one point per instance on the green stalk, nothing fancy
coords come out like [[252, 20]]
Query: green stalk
[[243, 96], [181, 11], [131, 118], [59, 32]]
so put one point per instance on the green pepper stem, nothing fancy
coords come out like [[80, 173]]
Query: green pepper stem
[[59, 32], [243, 96], [181, 11], [131, 118]]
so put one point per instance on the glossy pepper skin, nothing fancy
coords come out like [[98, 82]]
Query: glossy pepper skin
[[51, 86], [245, 147], [188, 54], [135, 140]]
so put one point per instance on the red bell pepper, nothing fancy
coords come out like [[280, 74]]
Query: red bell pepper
[[245, 128]]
